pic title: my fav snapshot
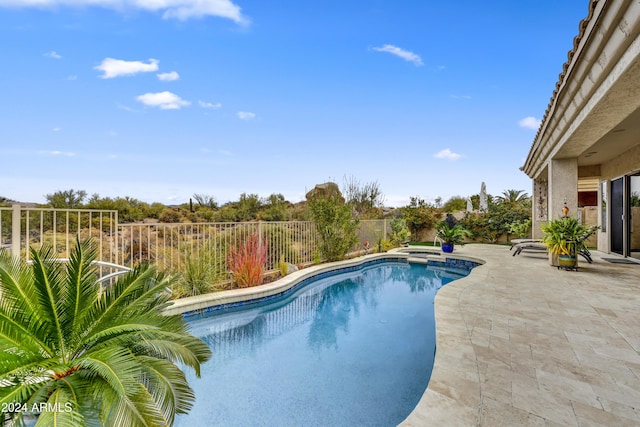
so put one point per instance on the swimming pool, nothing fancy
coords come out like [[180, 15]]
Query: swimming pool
[[354, 348]]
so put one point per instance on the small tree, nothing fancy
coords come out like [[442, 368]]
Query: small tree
[[366, 200], [336, 227], [455, 204], [205, 200], [69, 199], [274, 208]]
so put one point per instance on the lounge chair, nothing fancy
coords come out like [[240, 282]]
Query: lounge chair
[[536, 246], [515, 242], [532, 246]]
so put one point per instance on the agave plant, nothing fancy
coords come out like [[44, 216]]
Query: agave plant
[[75, 353]]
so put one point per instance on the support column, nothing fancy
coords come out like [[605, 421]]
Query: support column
[[540, 206], [563, 187], [15, 229]]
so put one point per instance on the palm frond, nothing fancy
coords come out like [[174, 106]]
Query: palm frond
[[183, 349], [59, 411], [82, 290], [168, 386], [47, 280], [110, 353]]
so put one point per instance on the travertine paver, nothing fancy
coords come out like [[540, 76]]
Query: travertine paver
[[520, 343]]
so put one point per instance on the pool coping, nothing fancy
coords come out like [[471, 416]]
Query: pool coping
[[237, 297]]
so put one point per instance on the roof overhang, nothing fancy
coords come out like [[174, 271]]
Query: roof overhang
[[594, 113]]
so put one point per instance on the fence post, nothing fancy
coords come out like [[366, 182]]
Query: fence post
[[15, 229], [260, 239]]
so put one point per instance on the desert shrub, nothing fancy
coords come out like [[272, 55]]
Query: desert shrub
[[247, 262], [274, 208], [283, 266], [202, 272], [170, 215]]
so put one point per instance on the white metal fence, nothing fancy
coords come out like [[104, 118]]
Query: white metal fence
[[23, 228], [168, 246]]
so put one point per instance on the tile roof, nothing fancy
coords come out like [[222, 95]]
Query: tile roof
[[565, 67]]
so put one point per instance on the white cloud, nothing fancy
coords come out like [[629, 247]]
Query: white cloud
[[126, 108], [168, 77], [176, 9], [246, 115], [56, 153], [401, 53], [529, 123], [117, 67], [163, 100], [204, 104], [447, 154], [53, 54]]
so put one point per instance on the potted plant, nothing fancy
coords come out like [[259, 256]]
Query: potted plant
[[565, 237], [451, 235]]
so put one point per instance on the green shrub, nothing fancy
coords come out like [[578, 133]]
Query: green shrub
[[399, 231], [283, 266], [520, 228], [335, 225], [385, 245], [419, 215], [202, 273]]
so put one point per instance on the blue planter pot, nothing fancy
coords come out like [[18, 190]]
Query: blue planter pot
[[447, 247]]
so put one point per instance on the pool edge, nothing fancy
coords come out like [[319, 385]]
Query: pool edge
[[236, 297]]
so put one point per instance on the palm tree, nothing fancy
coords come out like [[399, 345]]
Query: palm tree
[[513, 197], [77, 353]]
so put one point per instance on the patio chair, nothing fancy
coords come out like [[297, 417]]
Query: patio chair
[[536, 246], [532, 246], [515, 242]]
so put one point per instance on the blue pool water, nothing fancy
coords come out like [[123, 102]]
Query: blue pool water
[[353, 349]]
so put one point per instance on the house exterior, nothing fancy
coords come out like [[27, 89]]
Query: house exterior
[[587, 149]]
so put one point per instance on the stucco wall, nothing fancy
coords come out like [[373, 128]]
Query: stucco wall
[[590, 217], [626, 163]]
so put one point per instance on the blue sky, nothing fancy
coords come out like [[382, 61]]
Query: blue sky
[[161, 99]]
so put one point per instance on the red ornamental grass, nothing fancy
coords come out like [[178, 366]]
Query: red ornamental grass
[[246, 262]]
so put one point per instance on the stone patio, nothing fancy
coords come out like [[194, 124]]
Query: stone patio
[[520, 343]]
